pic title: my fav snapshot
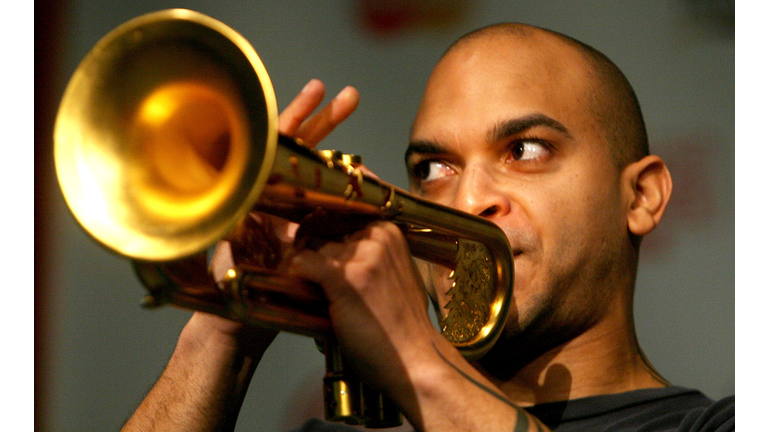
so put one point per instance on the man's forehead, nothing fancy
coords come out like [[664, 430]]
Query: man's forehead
[[504, 73], [536, 54]]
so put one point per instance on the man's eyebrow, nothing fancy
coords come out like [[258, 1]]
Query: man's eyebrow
[[423, 147], [501, 131], [507, 128]]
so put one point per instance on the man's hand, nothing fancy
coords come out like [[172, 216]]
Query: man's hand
[[378, 308], [295, 121], [374, 291]]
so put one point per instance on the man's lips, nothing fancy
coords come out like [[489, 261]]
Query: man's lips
[[517, 252]]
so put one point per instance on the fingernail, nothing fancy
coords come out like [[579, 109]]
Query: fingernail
[[313, 82], [347, 92]]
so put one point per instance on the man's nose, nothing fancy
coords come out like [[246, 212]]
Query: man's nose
[[480, 193]]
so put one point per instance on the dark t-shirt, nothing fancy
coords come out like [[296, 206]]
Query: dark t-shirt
[[664, 409], [649, 410]]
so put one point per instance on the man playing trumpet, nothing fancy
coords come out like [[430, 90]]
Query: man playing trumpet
[[543, 136]]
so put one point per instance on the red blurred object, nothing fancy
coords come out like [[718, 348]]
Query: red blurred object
[[392, 17]]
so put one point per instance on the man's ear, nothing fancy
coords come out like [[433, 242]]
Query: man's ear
[[648, 186]]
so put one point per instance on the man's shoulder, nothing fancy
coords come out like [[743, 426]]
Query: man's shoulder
[[665, 409]]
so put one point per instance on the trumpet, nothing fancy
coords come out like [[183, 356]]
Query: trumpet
[[166, 142]]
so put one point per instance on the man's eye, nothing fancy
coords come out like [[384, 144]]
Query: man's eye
[[527, 150], [429, 170]]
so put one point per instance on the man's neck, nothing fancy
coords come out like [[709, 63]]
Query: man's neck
[[605, 359]]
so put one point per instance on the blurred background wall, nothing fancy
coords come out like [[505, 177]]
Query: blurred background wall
[[99, 352]]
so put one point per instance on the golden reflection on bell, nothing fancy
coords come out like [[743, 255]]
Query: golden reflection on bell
[[191, 142]]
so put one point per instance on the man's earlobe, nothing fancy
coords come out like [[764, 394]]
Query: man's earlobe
[[649, 186]]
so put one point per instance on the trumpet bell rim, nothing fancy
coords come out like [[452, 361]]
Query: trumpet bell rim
[[166, 135]]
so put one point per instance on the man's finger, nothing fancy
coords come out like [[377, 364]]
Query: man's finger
[[222, 260], [321, 124], [313, 266], [301, 107]]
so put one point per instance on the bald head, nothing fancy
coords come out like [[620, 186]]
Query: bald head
[[610, 97]]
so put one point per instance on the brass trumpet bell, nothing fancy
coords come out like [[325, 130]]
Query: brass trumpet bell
[[165, 135]]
